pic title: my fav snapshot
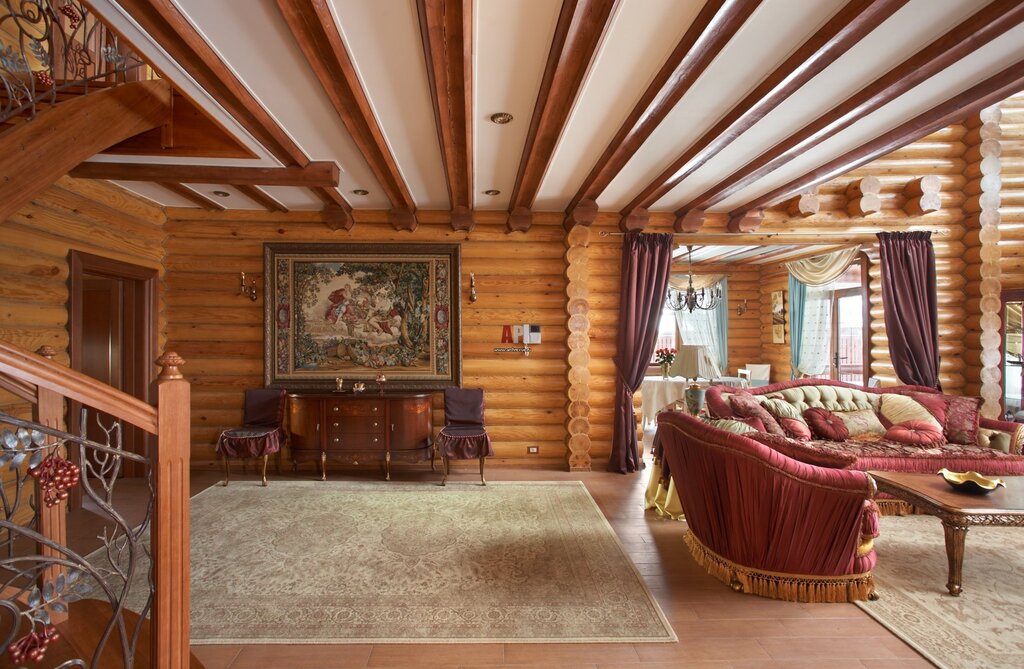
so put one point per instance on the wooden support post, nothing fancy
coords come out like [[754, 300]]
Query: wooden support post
[[170, 534], [520, 219], [923, 195], [49, 411], [863, 197], [804, 205], [577, 244], [690, 221], [635, 220], [991, 284]]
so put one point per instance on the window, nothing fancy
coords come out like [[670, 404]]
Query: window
[[1013, 354], [847, 344], [668, 335]]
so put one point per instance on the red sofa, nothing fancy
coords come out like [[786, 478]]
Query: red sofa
[[996, 452], [767, 524]]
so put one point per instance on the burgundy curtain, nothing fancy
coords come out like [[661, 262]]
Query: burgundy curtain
[[646, 264], [909, 305]]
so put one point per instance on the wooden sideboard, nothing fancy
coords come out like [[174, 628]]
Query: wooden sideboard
[[354, 428]]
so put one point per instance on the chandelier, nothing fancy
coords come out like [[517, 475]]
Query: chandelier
[[692, 299]]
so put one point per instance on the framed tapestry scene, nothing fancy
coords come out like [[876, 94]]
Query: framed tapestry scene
[[353, 311]]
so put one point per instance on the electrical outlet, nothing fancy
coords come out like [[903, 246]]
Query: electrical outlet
[[532, 450]]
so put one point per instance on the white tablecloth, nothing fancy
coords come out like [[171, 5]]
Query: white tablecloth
[[659, 393]]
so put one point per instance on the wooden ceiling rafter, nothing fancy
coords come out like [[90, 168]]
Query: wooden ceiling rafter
[[319, 38], [337, 212], [967, 37], [990, 91], [713, 28], [165, 23], [192, 196], [855, 21], [324, 174], [261, 197], [446, 30], [581, 25]]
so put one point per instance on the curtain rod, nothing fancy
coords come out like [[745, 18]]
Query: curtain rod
[[858, 233]]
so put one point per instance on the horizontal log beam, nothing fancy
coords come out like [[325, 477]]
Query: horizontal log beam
[[324, 174]]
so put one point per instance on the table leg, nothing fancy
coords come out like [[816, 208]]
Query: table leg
[[956, 534]]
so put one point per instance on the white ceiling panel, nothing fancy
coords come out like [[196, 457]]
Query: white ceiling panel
[[997, 55], [155, 193], [304, 199], [640, 38], [512, 40], [383, 39], [760, 45], [252, 37], [912, 28]]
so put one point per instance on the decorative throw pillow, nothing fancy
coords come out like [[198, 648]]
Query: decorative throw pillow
[[994, 439], [729, 425], [936, 403], [899, 409], [963, 419], [746, 406], [795, 428], [817, 453], [862, 424], [826, 425], [754, 423], [916, 433]]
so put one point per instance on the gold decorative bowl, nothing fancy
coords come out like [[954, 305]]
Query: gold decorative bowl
[[970, 482]]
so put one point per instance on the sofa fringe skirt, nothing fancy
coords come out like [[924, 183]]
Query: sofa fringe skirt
[[788, 587]]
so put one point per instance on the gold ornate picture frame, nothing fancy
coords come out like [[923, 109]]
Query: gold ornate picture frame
[[358, 310]]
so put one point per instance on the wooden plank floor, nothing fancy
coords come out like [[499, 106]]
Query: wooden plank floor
[[716, 627]]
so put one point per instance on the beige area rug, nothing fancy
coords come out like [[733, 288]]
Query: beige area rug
[[343, 562], [980, 628]]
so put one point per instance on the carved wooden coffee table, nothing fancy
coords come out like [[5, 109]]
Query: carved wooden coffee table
[[958, 511]]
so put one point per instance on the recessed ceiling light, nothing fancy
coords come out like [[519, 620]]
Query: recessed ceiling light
[[501, 118], [360, 191], [221, 193], [492, 192]]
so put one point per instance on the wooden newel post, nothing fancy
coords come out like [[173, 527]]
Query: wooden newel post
[[49, 411], [170, 534]]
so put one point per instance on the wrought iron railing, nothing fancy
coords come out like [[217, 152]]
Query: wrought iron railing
[[49, 47], [39, 576]]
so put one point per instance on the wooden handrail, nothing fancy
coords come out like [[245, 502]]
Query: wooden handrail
[[19, 364]]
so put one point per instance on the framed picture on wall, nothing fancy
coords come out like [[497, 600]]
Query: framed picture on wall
[[778, 318], [353, 311]]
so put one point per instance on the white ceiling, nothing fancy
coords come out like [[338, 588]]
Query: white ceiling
[[511, 42]]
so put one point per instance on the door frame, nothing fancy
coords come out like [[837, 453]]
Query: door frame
[[145, 301], [1007, 295], [864, 291]]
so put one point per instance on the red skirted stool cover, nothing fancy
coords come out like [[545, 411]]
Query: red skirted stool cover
[[464, 436], [262, 434]]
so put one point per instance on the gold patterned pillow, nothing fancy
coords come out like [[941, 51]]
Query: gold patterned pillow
[[862, 424], [899, 409]]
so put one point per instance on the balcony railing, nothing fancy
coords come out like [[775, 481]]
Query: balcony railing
[[51, 48]]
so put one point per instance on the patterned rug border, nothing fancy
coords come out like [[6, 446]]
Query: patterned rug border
[[877, 617], [670, 637]]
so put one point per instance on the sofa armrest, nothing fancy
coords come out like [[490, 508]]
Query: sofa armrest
[[759, 508], [1015, 431]]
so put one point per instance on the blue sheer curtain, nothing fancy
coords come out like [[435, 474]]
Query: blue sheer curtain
[[797, 298], [722, 320]]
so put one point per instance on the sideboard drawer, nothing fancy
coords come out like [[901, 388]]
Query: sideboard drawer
[[356, 442], [347, 424], [350, 407]]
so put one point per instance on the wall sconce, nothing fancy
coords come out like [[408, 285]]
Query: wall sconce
[[248, 289], [472, 287], [741, 308]]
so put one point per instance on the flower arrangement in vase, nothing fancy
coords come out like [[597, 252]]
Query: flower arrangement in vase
[[665, 357]]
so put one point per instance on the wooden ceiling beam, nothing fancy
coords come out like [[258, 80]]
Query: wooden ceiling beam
[[964, 39], [317, 35], [846, 28], [261, 198], [325, 174], [446, 30], [165, 23], [714, 26], [999, 86], [578, 32], [191, 195]]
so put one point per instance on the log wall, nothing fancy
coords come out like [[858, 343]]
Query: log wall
[[1011, 195], [34, 245], [520, 278]]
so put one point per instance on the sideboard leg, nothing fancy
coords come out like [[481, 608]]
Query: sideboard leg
[[323, 465], [387, 465]]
